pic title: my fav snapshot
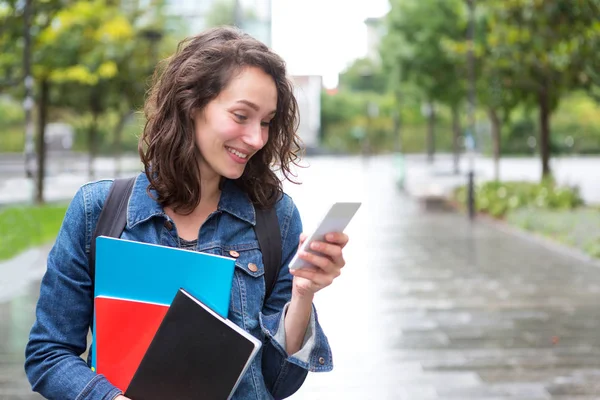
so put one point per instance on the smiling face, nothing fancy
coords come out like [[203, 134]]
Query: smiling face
[[235, 125]]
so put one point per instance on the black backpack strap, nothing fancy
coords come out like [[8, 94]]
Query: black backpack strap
[[269, 240], [113, 217]]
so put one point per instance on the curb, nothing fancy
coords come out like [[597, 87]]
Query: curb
[[530, 236], [544, 241]]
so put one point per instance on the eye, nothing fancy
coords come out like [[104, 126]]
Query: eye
[[265, 123], [240, 117]]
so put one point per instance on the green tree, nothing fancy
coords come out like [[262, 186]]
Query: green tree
[[78, 53], [229, 12], [363, 74], [540, 48], [493, 95], [22, 22], [88, 57], [221, 13], [417, 47]]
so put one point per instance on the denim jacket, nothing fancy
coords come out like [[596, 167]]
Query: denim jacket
[[65, 306]]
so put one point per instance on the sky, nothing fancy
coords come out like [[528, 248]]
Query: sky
[[322, 37]]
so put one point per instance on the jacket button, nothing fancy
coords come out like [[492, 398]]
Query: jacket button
[[252, 267], [234, 254], [168, 224], [321, 360]]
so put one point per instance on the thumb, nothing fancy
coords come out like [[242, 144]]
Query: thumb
[[303, 237]]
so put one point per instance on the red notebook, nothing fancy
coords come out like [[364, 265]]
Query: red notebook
[[124, 330]]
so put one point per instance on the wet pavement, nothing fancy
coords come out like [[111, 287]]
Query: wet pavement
[[429, 306]]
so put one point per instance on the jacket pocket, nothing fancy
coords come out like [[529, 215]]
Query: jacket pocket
[[248, 286]]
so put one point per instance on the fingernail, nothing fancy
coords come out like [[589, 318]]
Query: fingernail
[[315, 246], [330, 236]]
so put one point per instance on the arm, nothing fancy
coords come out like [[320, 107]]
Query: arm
[[290, 321], [326, 267], [297, 319], [63, 315]]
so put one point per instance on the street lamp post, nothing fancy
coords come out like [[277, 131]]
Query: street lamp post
[[470, 139], [28, 102]]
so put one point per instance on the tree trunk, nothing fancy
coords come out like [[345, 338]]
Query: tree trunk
[[41, 140], [29, 103], [544, 104], [396, 131], [496, 129], [456, 139], [431, 134], [118, 140]]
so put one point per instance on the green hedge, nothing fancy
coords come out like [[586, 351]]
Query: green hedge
[[498, 198]]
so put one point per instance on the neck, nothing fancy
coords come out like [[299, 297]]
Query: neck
[[188, 225], [209, 190]]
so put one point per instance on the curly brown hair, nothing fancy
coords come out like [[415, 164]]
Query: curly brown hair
[[199, 70]]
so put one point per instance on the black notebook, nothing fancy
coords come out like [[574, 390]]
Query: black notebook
[[195, 354]]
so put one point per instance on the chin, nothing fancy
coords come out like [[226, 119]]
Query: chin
[[233, 174]]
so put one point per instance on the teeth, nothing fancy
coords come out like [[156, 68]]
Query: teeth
[[237, 153]]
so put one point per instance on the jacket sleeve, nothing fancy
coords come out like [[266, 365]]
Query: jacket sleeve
[[63, 314], [283, 373]]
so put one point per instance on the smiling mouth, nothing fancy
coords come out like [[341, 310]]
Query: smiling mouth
[[237, 153]]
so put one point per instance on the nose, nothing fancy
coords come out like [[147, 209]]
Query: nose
[[256, 136]]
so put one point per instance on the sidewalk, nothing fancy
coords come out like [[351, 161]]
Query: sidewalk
[[428, 306], [64, 177], [432, 307], [18, 296]]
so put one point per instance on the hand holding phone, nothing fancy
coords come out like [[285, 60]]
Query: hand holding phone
[[336, 220]]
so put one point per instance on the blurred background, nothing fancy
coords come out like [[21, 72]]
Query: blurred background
[[469, 129]]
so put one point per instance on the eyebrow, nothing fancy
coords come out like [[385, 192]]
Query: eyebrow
[[253, 106]]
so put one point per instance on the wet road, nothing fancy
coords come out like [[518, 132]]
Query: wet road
[[428, 306]]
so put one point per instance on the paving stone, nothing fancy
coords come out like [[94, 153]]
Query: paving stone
[[428, 307]]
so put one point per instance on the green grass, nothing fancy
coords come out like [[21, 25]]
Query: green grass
[[12, 138], [579, 228], [22, 227]]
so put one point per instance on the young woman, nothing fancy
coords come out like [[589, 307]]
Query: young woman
[[220, 114]]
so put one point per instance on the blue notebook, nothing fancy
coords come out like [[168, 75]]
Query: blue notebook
[[152, 273]]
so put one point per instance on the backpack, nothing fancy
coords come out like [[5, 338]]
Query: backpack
[[113, 218]]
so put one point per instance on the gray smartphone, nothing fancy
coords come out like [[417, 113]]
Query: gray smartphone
[[336, 220]]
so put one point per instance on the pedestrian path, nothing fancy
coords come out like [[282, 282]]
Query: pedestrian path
[[433, 307], [428, 306]]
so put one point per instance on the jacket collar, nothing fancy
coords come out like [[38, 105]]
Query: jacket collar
[[142, 206]]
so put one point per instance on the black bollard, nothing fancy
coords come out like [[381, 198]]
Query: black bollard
[[471, 195]]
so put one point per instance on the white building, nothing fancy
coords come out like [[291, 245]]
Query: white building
[[307, 89]]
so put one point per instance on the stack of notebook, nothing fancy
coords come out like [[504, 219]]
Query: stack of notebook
[[160, 324]]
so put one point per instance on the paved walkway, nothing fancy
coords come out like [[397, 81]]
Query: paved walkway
[[432, 307], [428, 307]]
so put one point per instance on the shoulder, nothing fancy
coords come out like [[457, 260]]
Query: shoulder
[[84, 209], [288, 215], [94, 193]]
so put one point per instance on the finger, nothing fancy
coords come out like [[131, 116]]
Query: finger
[[308, 267], [316, 276], [303, 237], [338, 238], [320, 261], [333, 251]]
